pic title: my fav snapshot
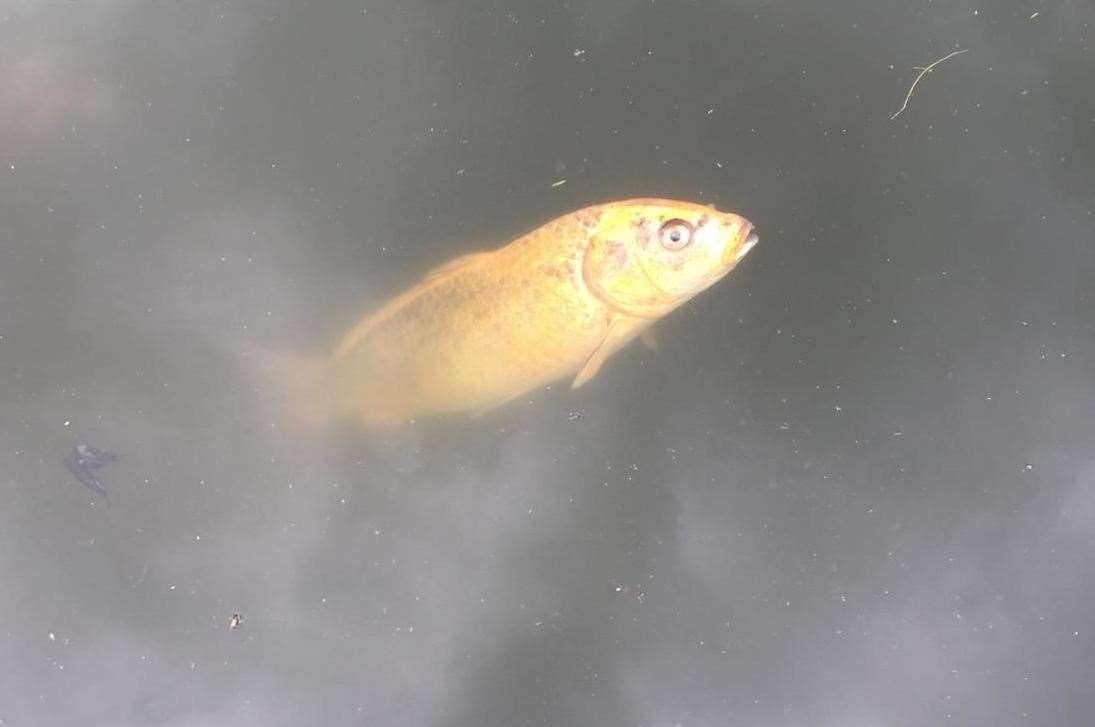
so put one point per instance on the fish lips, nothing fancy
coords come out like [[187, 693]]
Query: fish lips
[[733, 255]]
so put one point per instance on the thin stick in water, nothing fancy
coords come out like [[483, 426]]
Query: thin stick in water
[[923, 72]]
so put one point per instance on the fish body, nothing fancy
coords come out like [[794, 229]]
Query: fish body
[[556, 302]]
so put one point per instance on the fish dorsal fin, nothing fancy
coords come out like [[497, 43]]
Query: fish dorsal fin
[[457, 263], [362, 329], [620, 331]]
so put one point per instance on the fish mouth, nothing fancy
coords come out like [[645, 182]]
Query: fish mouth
[[751, 239], [737, 253]]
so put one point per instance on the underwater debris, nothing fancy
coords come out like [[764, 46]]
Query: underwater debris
[[84, 461], [923, 72]]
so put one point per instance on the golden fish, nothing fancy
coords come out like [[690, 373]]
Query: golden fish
[[487, 327]]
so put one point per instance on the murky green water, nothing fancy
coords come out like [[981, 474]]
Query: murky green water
[[853, 486]]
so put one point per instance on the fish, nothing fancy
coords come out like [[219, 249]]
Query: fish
[[487, 327], [84, 461]]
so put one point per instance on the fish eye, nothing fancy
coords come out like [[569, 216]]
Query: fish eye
[[675, 234]]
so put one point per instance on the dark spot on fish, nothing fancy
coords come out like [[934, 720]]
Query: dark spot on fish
[[702, 221], [642, 235], [589, 218], [84, 461], [562, 271], [616, 255]]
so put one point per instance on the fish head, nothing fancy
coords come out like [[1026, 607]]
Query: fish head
[[645, 257]]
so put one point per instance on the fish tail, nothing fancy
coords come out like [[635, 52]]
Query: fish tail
[[299, 386]]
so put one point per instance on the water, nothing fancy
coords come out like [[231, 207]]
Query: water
[[852, 487]]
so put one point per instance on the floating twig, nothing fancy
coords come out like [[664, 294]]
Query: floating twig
[[923, 72]]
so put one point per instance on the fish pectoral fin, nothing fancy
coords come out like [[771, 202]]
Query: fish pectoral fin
[[620, 331], [593, 365], [649, 339]]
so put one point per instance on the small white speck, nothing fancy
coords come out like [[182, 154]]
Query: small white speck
[[558, 183], [67, 423], [52, 636]]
